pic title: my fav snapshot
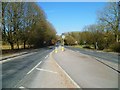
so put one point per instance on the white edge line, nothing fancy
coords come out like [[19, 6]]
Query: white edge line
[[20, 56], [46, 70], [99, 59], [68, 76], [34, 67]]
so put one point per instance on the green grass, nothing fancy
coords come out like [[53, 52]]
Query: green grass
[[78, 46], [82, 46], [7, 47]]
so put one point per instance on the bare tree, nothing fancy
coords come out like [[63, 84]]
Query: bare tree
[[109, 18]]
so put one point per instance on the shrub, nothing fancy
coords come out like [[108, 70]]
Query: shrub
[[87, 46], [115, 47]]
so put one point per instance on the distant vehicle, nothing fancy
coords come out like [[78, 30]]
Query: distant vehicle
[[50, 47], [56, 45]]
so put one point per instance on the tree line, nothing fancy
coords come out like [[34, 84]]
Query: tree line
[[105, 34], [25, 23]]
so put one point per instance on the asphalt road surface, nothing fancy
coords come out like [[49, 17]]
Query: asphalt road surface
[[103, 55], [86, 71], [14, 70], [111, 59], [27, 70]]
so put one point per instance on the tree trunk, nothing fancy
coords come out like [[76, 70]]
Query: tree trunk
[[12, 46], [17, 44], [116, 38], [24, 44]]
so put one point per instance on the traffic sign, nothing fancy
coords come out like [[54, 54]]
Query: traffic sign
[[63, 36]]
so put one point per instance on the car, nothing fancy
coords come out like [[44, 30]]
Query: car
[[50, 47]]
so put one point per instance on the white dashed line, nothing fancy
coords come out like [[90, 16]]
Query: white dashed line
[[46, 70], [34, 67]]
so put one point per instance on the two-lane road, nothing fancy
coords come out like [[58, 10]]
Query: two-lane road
[[83, 69], [15, 69]]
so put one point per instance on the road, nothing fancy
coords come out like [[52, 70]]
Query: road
[[107, 58], [44, 69], [86, 71], [103, 55], [14, 70]]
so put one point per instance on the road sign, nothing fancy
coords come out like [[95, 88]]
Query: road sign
[[76, 42], [63, 36]]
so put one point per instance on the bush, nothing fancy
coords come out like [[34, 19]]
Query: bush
[[87, 46], [115, 47]]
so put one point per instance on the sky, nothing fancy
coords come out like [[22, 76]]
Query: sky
[[71, 16]]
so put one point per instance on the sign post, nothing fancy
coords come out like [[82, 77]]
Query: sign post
[[63, 37]]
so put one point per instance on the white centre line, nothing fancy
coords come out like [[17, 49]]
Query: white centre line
[[46, 56], [34, 67], [46, 70]]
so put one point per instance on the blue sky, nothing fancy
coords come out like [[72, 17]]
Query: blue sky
[[69, 16]]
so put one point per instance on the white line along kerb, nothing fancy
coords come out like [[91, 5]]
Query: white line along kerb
[[34, 67], [68, 76]]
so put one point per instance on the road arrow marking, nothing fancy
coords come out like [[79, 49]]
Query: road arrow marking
[[34, 67], [46, 70], [46, 56], [77, 51], [21, 87]]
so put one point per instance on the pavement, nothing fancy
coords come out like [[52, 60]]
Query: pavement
[[45, 68]]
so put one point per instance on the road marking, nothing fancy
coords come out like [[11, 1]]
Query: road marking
[[101, 61], [15, 57], [46, 70], [34, 67], [77, 51], [48, 61], [46, 56], [68, 75], [21, 87]]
